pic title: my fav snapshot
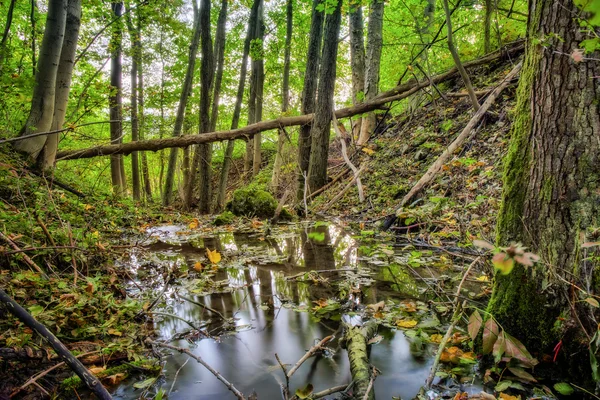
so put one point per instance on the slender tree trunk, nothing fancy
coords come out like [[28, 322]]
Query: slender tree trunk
[[203, 154], [42, 103], [183, 99], [456, 57], [487, 26], [550, 200], [285, 96], [63, 81], [357, 58], [115, 102], [9, 17], [33, 33], [374, 44], [142, 121], [260, 85], [135, 60], [238, 106], [319, 154], [220, 59], [311, 76]]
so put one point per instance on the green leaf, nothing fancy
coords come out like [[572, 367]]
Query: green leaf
[[317, 236], [503, 263], [304, 392], [144, 384], [502, 386], [36, 310], [592, 301], [521, 373], [499, 348], [564, 388], [515, 349], [475, 322]]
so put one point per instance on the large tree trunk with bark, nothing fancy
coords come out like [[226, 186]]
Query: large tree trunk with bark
[[115, 101], [551, 196], [238, 106], [311, 76], [202, 160], [285, 95], [63, 81], [374, 44], [183, 99], [319, 134], [42, 103], [357, 58]]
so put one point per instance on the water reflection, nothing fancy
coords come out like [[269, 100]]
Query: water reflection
[[264, 304]]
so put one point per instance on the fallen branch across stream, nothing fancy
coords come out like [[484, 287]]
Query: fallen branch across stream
[[213, 371], [399, 92]]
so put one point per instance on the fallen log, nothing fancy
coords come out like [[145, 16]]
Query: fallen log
[[355, 339], [399, 92], [433, 170]]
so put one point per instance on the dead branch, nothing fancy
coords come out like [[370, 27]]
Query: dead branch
[[437, 165], [86, 376], [220, 377], [344, 190], [26, 258], [338, 131], [309, 354]]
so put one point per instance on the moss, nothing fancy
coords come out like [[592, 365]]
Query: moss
[[224, 218], [285, 215], [149, 366], [252, 202]]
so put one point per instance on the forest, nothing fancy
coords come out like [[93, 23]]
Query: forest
[[300, 199]]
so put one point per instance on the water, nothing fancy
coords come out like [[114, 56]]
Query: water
[[253, 289]]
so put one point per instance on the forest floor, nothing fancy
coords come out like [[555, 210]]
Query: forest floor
[[109, 263]]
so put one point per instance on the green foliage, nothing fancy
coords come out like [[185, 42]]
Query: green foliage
[[251, 202]]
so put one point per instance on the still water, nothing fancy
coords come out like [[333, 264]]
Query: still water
[[267, 310]]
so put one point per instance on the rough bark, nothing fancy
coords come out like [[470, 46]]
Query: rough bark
[[456, 57], [551, 198], [238, 107], [373, 61], [63, 81], [135, 60], [183, 100], [115, 101], [399, 92], [285, 95], [487, 26], [201, 162], [320, 131], [42, 103], [356, 339], [260, 85], [219, 59], [357, 57], [311, 76], [142, 126]]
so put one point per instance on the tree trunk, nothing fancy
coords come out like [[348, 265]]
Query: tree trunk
[[183, 99], [487, 26], [550, 201], [9, 17], [116, 103], [238, 107], [260, 85], [311, 75], [285, 96], [42, 103], [374, 44], [220, 59], [33, 33], [142, 126], [134, 36], [203, 154], [456, 57], [319, 134], [63, 81], [357, 58]]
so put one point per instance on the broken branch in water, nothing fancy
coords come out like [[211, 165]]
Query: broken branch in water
[[218, 375], [309, 354]]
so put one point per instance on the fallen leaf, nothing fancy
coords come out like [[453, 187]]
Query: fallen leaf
[[213, 256], [116, 378], [377, 306], [114, 332], [504, 396], [406, 323], [97, 370], [198, 266], [194, 224]]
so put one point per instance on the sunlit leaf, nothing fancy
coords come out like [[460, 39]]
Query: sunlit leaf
[[97, 370], [144, 384], [406, 323], [475, 322], [194, 224], [592, 301], [114, 332], [213, 256], [198, 266], [504, 396], [503, 263], [564, 388]]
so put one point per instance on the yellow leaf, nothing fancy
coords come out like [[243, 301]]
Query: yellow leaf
[[451, 355], [114, 332], [504, 396], [88, 207], [97, 370], [406, 323], [116, 378], [368, 151], [483, 278], [194, 224], [213, 256], [198, 266], [435, 338]]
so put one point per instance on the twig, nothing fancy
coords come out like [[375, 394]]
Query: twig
[[309, 353], [329, 391], [220, 377], [73, 262], [455, 319], [181, 319], [344, 190], [28, 260], [336, 128], [333, 181], [26, 249], [285, 373], [176, 374], [86, 376], [373, 376], [212, 310], [45, 230]]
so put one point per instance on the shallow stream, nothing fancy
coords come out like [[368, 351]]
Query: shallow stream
[[267, 312]]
